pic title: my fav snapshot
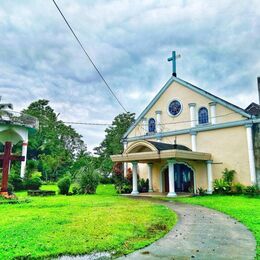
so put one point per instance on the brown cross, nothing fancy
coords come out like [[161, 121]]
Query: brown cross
[[7, 157]]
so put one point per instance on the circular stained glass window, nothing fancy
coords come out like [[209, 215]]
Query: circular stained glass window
[[175, 108]]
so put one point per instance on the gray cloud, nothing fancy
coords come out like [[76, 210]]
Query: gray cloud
[[130, 42]]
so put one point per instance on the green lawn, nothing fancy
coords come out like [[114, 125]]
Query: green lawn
[[51, 226], [244, 209]]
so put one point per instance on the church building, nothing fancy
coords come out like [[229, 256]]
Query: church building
[[186, 137]]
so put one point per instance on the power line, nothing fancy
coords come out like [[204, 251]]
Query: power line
[[88, 123], [91, 61]]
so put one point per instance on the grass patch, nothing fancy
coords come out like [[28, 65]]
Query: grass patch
[[82, 224], [244, 209]]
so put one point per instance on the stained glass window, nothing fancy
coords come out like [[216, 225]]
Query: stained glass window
[[203, 115], [151, 125], [175, 108]]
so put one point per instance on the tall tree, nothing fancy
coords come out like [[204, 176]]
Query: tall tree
[[55, 145], [112, 144]]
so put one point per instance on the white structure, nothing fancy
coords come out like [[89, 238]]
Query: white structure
[[14, 128]]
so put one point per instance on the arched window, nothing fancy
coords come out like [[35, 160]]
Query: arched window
[[151, 125], [203, 115]]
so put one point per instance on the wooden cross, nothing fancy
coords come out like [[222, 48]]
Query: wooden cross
[[7, 157], [173, 60]]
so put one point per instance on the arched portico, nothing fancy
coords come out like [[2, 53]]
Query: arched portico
[[154, 153]]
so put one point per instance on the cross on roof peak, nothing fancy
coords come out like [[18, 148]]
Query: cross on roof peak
[[173, 60]]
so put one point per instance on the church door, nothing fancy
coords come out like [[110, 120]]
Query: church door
[[183, 178]]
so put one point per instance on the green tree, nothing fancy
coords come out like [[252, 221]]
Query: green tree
[[112, 144], [55, 145]]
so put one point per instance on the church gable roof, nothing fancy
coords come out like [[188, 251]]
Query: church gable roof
[[196, 89], [253, 109]]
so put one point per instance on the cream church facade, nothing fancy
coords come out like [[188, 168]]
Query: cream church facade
[[186, 137]]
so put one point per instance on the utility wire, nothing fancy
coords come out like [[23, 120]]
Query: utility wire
[[163, 125], [87, 123], [91, 61]]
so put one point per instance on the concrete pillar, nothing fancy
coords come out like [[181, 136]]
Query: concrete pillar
[[24, 153], [158, 123], [144, 126], [213, 118], [210, 177], [135, 187], [193, 141], [150, 176], [193, 118], [125, 163], [171, 179], [251, 153]]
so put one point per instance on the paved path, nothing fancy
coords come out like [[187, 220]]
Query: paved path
[[200, 233]]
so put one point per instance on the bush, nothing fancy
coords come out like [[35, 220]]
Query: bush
[[105, 179], [33, 183], [87, 179], [64, 185], [16, 180], [123, 187], [10, 189], [143, 185], [201, 191], [75, 189], [228, 175], [252, 190], [238, 188], [221, 186]]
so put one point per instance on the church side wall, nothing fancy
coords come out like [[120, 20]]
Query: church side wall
[[229, 150]]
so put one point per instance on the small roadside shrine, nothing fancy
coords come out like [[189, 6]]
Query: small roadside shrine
[[14, 128]]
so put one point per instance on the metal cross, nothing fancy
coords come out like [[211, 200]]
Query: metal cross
[[173, 59]]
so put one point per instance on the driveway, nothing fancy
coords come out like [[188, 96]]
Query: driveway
[[200, 233]]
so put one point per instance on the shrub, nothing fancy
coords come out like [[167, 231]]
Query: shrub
[[201, 191], [228, 175], [238, 188], [105, 179], [10, 189], [252, 190], [16, 180], [64, 185], [87, 179], [75, 189], [123, 187], [33, 183], [143, 185], [221, 186]]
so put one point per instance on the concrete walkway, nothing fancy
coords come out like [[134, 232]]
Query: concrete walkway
[[200, 233]]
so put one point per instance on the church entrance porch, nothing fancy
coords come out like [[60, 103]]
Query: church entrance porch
[[147, 158], [183, 178]]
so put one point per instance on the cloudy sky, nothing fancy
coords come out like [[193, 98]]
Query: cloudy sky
[[130, 41]]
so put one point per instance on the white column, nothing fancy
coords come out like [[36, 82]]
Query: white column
[[171, 179], [145, 126], [150, 176], [125, 163], [24, 153], [158, 123], [213, 118], [193, 141], [135, 189], [251, 152], [192, 114], [210, 177]]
